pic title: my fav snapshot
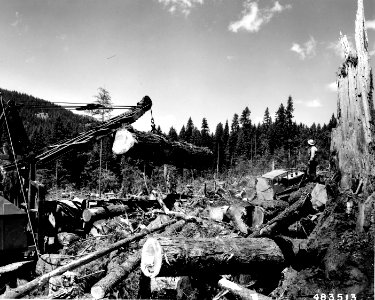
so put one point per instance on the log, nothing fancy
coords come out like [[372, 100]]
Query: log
[[240, 291], [98, 213], [245, 217], [180, 256], [270, 205], [293, 213], [40, 281], [118, 274], [14, 266], [114, 276], [354, 135], [160, 150]]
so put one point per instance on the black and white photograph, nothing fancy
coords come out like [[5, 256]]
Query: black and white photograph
[[187, 149]]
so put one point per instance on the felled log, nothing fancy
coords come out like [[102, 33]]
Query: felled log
[[270, 205], [354, 135], [115, 275], [180, 256], [13, 267], [98, 213], [293, 213], [240, 291], [118, 274], [40, 281], [160, 150], [245, 217]]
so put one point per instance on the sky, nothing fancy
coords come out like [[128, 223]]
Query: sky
[[193, 58]]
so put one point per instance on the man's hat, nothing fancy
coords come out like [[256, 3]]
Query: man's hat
[[311, 142]]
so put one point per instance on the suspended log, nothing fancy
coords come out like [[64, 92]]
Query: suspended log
[[180, 256], [40, 281], [240, 291], [293, 213], [115, 275], [160, 150], [98, 213], [353, 138]]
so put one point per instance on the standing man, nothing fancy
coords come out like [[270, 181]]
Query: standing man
[[312, 160]]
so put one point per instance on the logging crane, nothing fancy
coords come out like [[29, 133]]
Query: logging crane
[[23, 205]]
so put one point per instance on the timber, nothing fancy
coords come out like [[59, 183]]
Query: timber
[[160, 150], [115, 275], [14, 266], [40, 281], [240, 291], [181, 256], [270, 205], [290, 215], [353, 137], [98, 213], [118, 274]]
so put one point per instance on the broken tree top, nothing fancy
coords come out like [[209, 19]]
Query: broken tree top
[[160, 150]]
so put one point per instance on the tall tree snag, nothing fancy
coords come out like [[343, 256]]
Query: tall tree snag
[[353, 138]]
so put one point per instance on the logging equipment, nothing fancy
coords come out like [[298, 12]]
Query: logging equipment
[[25, 206]]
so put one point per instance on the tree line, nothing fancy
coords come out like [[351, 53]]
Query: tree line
[[279, 137]]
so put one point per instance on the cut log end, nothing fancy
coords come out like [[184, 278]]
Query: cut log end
[[86, 215], [151, 258], [97, 292]]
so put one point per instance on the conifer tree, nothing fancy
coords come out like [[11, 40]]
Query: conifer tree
[[244, 137], [205, 133], [233, 137], [182, 134], [219, 146], [172, 134], [189, 130]]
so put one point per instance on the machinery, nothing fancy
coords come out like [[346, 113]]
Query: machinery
[[23, 209], [278, 183]]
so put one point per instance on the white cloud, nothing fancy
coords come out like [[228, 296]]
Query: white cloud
[[332, 86], [310, 103], [313, 103], [18, 20], [307, 50], [370, 24], [19, 25], [62, 36], [30, 60], [182, 6], [230, 57], [253, 17]]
